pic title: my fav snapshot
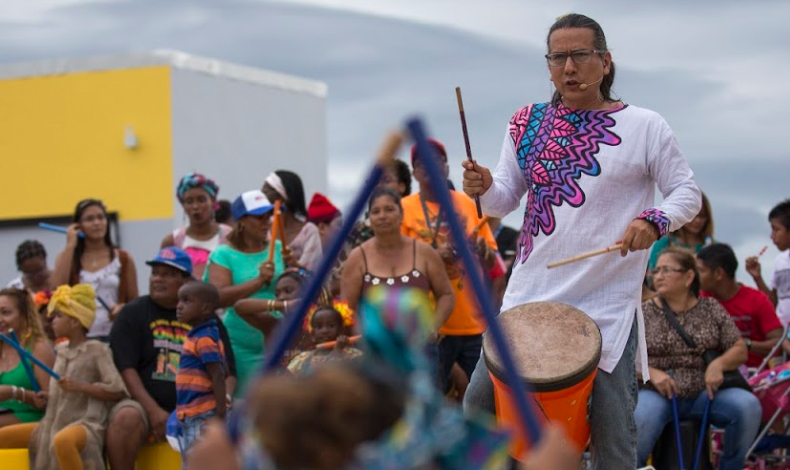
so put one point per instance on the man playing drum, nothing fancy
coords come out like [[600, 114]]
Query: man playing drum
[[589, 164]]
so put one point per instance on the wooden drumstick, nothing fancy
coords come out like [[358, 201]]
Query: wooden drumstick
[[466, 141], [275, 229], [762, 252], [584, 256], [332, 344]]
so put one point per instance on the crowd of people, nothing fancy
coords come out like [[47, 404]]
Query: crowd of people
[[95, 371]]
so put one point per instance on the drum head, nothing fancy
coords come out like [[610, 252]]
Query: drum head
[[554, 345]]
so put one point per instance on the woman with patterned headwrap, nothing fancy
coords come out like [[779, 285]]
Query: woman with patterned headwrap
[[71, 435], [198, 197], [301, 236]]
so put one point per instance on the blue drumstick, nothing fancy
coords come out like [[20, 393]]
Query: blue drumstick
[[26, 365], [702, 436], [57, 228], [104, 304], [428, 157], [676, 417], [26, 354]]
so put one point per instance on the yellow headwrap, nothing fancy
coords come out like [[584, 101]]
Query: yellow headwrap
[[77, 302]]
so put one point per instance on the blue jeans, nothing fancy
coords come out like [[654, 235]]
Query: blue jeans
[[735, 410], [191, 430], [612, 426]]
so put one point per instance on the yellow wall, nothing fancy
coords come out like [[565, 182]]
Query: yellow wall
[[62, 140]]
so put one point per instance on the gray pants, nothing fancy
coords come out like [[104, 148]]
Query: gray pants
[[613, 428]]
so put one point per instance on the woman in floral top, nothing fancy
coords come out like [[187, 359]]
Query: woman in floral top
[[677, 369]]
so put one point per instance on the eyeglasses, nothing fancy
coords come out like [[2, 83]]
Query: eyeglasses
[[580, 56], [667, 270]]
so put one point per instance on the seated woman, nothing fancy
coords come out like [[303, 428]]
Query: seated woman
[[20, 381], [677, 369]]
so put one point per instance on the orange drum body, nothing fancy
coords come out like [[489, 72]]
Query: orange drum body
[[556, 348]]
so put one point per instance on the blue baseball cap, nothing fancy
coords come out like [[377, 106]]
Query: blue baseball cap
[[174, 257], [250, 203]]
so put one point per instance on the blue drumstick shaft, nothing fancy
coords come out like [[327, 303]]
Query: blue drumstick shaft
[[427, 156], [702, 437], [28, 370], [103, 304], [26, 354], [676, 417], [57, 228]]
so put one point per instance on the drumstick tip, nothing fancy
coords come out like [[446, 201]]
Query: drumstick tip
[[389, 147]]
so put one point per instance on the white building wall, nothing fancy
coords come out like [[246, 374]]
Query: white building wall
[[237, 132]]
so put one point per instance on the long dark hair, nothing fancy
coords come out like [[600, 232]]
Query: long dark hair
[[76, 263], [575, 20], [294, 190]]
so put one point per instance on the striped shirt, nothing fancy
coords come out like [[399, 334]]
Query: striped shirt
[[194, 390]]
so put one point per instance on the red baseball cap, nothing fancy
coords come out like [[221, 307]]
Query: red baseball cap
[[436, 145]]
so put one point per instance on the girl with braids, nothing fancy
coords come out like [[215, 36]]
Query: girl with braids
[[302, 237], [31, 261], [19, 402], [198, 197], [93, 259]]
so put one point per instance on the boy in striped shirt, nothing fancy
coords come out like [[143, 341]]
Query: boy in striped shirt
[[200, 381]]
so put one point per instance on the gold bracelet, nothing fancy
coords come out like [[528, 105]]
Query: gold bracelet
[[24, 395], [285, 306], [13, 393]]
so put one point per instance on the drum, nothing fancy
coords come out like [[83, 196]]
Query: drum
[[556, 349]]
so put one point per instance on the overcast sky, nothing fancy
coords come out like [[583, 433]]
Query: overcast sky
[[719, 75]]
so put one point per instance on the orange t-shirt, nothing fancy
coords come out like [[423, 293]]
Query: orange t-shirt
[[466, 318]]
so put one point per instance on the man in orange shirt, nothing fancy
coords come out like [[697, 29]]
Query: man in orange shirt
[[461, 336]]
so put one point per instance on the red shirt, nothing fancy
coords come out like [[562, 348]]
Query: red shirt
[[754, 315]]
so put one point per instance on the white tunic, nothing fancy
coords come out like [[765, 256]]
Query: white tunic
[[780, 280], [587, 176]]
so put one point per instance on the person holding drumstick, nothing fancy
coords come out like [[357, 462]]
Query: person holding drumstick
[[589, 164]]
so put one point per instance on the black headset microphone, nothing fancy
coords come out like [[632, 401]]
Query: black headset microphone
[[584, 86]]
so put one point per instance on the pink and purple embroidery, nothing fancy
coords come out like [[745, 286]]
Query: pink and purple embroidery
[[555, 146], [658, 218]]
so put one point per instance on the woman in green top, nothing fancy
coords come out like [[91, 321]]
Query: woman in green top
[[692, 236], [19, 403], [242, 269]]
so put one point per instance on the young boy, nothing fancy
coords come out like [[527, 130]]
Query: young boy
[[200, 381], [779, 289]]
